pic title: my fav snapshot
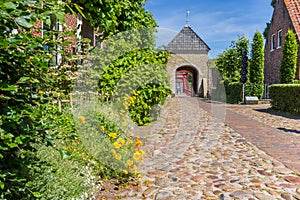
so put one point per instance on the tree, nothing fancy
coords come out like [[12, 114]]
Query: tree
[[289, 58], [114, 16], [229, 63], [256, 67]]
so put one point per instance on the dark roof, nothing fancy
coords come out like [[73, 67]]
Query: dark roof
[[293, 7], [187, 41]]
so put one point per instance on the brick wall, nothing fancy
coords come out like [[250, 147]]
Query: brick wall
[[280, 21], [71, 24], [36, 32]]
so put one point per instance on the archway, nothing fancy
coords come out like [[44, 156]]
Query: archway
[[187, 81]]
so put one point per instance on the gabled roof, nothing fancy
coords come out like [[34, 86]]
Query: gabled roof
[[293, 7], [187, 41]]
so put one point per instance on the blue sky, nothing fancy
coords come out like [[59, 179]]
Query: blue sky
[[217, 22]]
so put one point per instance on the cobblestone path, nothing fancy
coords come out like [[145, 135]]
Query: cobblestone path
[[192, 155]]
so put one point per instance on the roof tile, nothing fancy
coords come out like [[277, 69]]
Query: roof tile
[[293, 7]]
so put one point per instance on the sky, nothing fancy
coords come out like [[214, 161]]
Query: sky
[[217, 22]]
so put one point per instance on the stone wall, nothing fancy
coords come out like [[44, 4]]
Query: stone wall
[[197, 63]]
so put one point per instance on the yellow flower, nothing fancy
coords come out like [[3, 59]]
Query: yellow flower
[[102, 128], [132, 168], [41, 92], [129, 162], [113, 151], [113, 135], [118, 156], [137, 156], [121, 140], [117, 145], [139, 176], [142, 152], [124, 123], [81, 119], [125, 171]]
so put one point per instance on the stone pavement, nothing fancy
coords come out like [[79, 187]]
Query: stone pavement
[[280, 139], [193, 154]]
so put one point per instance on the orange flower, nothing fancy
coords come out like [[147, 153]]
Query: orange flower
[[81, 119], [138, 143]]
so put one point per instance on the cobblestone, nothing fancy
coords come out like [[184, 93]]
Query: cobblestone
[[193, 155]]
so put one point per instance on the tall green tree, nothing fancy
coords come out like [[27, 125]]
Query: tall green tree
[[289, 58], [256, 66]]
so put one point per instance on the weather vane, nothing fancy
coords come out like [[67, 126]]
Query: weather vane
[[187, 17]]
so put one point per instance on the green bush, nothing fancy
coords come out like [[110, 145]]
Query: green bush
[[289, 58], [143, 71], [253, 89], [256, 67], [285, 97], [229, 92]]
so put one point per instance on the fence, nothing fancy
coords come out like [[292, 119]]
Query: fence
[[79, 97]]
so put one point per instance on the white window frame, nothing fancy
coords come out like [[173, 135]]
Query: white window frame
[[279, 39], [273, 42]]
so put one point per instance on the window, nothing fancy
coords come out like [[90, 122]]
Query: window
[[279, 39], [273, 44]]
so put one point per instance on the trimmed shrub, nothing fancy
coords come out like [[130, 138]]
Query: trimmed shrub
[[233, 92], [253, 89], [285, 97], [229, 92], [289, 58], [256, 67]]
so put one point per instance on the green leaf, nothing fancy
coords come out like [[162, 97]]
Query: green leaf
[[79, 9], [64, 154], [18, 140], [36, 194], [10, 88], [24, 79], [10, 5], [2, 185], [22, 21]]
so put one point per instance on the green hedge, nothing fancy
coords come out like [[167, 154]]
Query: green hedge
[[233, 91], [228, 92], [254, 89], [285, 97]]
